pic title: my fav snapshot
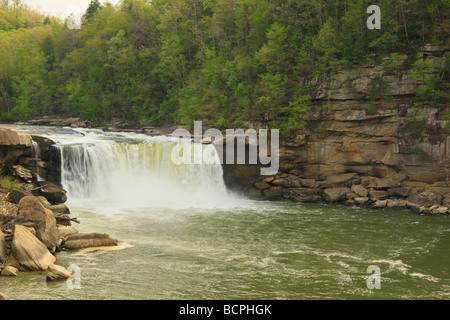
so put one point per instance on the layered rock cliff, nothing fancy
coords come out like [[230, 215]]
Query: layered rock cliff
[[364, 123]]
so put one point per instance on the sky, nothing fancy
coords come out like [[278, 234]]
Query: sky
[[62, 8]]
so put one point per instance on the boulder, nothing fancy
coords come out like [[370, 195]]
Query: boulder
[[437, 210], [32, 213], [378, 195], [65, 231], [380, 204], [361, 200], [87, 240], [399, 177], [335, 194], [369, 182], [282, 182], [360, 190], [308, 183], [16, 195], [295, 181], [44, 201], [426, 199], [10, 271], [2, 246], [397, 204], [262, 185], [29, 252], [55, 273], [339, 181], [387, 183], [400, 192], [415, 207], [59, 209], [53, 192]]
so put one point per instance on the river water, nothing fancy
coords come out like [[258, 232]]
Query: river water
[[184, 236]]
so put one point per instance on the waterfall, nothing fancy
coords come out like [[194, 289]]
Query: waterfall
[[36, 154], [138, 171]]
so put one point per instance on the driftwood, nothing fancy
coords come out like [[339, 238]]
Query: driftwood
[[65, 220]]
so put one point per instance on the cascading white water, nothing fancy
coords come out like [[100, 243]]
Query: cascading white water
[[131, 170], [36, 154]]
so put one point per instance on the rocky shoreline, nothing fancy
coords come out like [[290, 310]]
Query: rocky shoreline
[[395, 192], [35, 223]]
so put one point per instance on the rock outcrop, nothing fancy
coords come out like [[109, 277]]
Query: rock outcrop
[[55, 273], [29, 251], [31, 213], [87, 240]]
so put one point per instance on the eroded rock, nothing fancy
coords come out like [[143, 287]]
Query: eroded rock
[[29, 251], [87, 240]]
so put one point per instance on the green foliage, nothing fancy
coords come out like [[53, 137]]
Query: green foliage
[[414, 128], [8, 183], [226, 62]]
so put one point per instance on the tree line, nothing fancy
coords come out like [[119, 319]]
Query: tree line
[[226, 62]]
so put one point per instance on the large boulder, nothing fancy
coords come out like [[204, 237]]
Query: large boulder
[[426, 199], [10, 271], [33, 214], [55, 273], [16, 195], [387, 183], [54, 193], [343, 180], [87, 240], [29, 252], [336, 194], [65, 231], [360, 190]]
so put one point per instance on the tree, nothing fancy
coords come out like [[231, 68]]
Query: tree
[[94, 7]]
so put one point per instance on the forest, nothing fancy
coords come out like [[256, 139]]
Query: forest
[[225, 62]]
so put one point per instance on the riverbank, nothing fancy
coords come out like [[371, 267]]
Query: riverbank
[[35, 224]]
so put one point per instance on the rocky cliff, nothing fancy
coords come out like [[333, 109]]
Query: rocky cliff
[[366, 129]]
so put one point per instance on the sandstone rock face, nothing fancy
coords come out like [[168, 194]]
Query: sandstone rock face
[[10, 137], [55, 273], [32, 213], [87, 240], [29, 252]]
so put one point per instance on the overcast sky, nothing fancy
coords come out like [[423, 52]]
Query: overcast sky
[[62, 8]]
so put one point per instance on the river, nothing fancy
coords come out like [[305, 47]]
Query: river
[[184, 236]]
